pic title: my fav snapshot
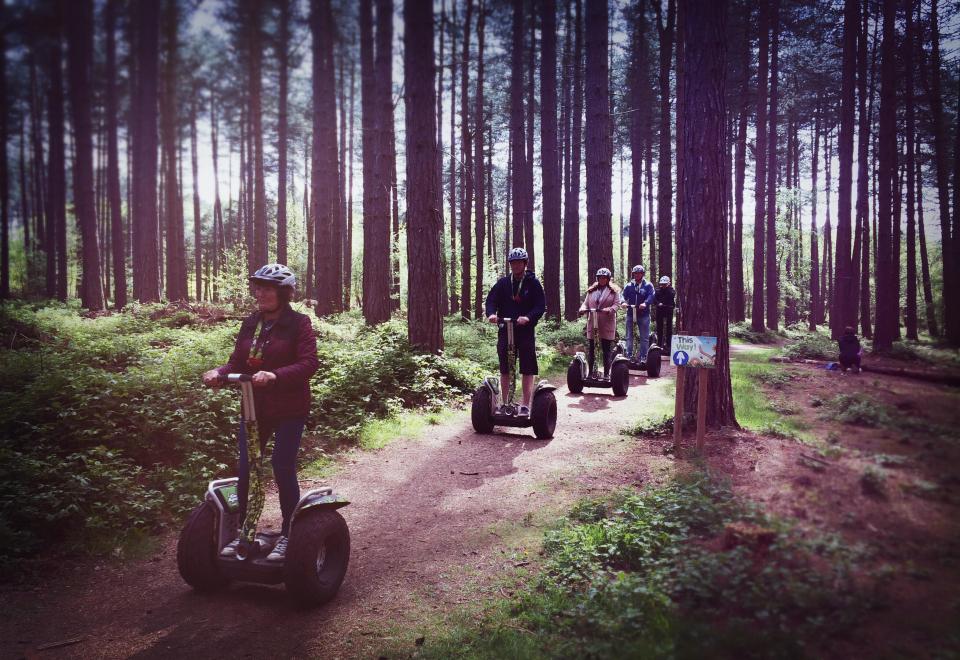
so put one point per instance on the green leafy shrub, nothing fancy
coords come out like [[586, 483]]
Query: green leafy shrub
[[108, 429], [684, 570], [859, 409], [812, 346], [744, 332]]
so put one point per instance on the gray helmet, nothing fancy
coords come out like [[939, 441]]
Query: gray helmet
[[664, 280], [276, 274], [638, 269], [604, 272], [518, 254]]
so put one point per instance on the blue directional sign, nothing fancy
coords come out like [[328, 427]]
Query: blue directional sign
[[680, 358]]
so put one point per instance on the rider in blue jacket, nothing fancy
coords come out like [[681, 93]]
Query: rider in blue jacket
[[639, 292], [518, 296]]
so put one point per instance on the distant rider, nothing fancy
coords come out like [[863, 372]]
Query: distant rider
[[603, 296], [277, 346], [640, 293], [518, 296], [665, 300]]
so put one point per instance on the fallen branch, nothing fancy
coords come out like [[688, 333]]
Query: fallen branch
[[61, 644]]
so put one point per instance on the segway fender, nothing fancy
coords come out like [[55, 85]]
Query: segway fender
[[320, 498], [492, 383], [544, 386]]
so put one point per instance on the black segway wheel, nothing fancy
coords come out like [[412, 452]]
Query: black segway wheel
[[574, 377], [197, 550], [480, 410], [317, 557], [653, 363], [544, 415], [620, 378]]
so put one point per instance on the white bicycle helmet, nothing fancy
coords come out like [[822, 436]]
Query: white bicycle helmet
[[638, 269], [277, 274], [518, 254], [604, 272], [664, 280]]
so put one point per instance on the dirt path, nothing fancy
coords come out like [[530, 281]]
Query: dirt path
[[432, 521]]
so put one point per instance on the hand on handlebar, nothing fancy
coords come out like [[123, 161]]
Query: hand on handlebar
[[493, 318], [211, 378], [263, 378], [522, 320]]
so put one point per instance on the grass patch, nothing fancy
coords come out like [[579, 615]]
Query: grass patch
[[381, 432], [756, 409], [684, 570]]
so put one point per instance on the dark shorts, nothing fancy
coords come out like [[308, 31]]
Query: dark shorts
[[525, 342]]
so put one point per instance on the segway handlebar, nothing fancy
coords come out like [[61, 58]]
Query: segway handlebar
[[236, 378]]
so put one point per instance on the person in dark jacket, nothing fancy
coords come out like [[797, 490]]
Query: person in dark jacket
[[518, 296], [850, 350], [665, 300], [278, 348], [639, 293]]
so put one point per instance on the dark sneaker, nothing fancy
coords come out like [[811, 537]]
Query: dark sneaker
[[279, 551], [523, 411]]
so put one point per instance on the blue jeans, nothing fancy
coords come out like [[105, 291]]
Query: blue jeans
[[287, 435], [643, 324]]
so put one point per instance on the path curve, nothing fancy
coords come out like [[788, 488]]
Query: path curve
[[424, 536]]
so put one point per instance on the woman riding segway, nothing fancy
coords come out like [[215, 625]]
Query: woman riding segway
[[604, 297], [277, 347]]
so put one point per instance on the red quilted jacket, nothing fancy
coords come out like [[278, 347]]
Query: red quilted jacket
[[290, 351]]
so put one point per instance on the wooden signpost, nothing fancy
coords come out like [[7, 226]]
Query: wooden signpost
[[692, 352]]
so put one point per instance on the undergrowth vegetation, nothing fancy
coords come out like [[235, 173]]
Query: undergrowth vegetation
[[108, 431], [684, 570]]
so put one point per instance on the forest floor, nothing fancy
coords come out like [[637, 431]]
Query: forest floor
[[448, 521]]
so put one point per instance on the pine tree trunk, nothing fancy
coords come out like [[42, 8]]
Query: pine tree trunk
[[424, 222], [757, 317], [194, 168], [175, 254], [325, 193], [932, 80], [571, 205], [599, 144], [843, 310], [550, 169], [454, 297], [113, 158], [816, 302], [531, 49], [702, 228], [376, 205], [348, 242], [664, 178], [929, 307], [638, 86], [4, 183], [478, 168], [772, 275], [887, 305], [283, 38], [863, 172], [79, 22], [737, 301], [57, 178], [518, 148], [146, 262], [466, 170]]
